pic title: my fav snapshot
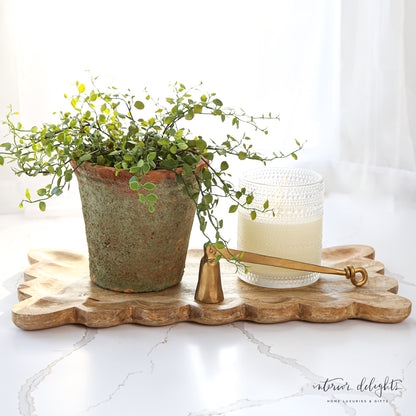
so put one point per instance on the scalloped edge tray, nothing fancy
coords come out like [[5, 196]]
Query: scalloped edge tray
[[57, 291]]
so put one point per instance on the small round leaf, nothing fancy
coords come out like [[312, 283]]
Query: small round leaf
[[233, 208], [152, 198], [149, 186], [41, 192], [224, 165], [189, 115], [134, 186]]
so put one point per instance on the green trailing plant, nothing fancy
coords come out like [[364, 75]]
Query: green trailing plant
[[109, 128]]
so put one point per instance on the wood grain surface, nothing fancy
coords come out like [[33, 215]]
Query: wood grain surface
[[57, 291]]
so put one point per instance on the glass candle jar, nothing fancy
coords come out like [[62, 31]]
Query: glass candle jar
[[291, 226]]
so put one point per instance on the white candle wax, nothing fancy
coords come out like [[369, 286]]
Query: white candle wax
[[302, 242]]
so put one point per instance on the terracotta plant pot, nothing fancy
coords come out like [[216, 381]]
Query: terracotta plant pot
[[131, 249]]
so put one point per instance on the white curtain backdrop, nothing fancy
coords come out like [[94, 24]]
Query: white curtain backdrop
[[378, 83], [341, 74], [377, 107]]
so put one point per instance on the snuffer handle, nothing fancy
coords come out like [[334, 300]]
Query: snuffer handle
[[349, 272]]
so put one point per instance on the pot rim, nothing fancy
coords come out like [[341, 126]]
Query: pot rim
[[109, 173]]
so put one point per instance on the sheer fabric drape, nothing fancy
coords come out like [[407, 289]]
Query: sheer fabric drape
[[378, 83], [377, 106]]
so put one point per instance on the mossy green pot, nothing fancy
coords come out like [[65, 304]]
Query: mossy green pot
[[131, 249]]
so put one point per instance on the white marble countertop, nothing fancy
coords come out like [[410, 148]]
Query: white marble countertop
[[240, 369]]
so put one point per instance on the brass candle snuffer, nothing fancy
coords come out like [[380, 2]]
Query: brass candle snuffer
[[209, 288]]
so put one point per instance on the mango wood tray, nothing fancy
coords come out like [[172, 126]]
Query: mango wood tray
[[58, 291]]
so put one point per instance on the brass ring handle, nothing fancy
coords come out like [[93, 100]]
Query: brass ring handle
[[350, 273]]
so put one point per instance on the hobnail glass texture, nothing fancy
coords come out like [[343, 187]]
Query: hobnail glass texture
[[294, 232]]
